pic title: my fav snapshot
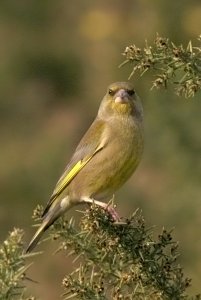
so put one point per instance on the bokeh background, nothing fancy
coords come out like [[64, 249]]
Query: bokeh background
[[56, 60]]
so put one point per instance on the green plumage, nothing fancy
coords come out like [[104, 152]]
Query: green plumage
[[105, 158]]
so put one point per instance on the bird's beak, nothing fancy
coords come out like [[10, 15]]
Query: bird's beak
[[121, 96]]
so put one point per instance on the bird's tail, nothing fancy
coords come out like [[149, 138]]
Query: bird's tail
[[37, 236], [54, 212]]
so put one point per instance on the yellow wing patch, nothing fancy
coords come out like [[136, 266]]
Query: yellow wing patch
[[68, 178], [73, 172]]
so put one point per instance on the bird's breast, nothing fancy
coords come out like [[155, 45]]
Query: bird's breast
[[110, 168]]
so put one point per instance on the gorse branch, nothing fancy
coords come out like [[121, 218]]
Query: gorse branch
[[172, 64], [119, 260], [116, 260], [13, 268]]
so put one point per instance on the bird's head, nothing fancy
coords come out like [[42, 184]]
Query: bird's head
[[121, 99]]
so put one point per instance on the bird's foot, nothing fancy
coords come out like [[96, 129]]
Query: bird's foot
[[113, 213], [109, 208]]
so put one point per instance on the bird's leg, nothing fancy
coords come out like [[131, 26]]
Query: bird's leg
[[105, 206]]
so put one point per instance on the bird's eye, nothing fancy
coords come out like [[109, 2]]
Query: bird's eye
[[111, 92], [131, 92]]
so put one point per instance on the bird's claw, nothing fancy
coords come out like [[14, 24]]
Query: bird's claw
[[113, 213]]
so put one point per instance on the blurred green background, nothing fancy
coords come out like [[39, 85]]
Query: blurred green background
[[56, 60]]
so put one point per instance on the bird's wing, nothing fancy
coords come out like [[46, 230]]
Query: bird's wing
[[91, 143]]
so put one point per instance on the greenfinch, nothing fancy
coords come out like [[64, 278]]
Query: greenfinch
[[105, 158]]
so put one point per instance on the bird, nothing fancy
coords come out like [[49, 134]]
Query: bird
[[104, 159]]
